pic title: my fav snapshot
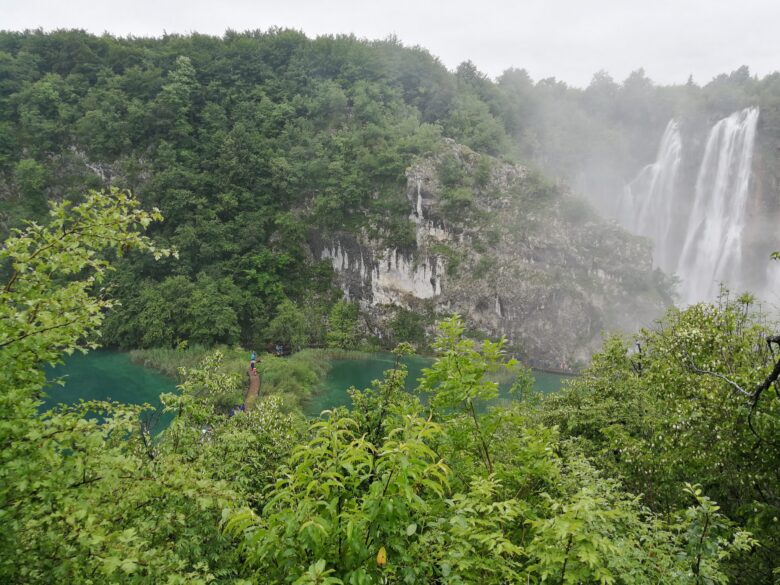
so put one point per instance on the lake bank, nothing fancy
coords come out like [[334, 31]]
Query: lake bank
[[310, 380]]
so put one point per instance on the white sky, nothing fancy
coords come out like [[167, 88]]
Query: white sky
[[567, 39]]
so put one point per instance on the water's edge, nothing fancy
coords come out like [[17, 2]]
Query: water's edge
[[107, 375]]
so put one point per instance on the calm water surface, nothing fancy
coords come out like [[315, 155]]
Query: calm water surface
[[360, 373], [104, 375]]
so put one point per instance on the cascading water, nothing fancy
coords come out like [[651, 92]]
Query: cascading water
[[648, 204], [701, 240], [712, 252]]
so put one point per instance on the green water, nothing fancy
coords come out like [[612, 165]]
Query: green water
[[360, 373], [105, 375]]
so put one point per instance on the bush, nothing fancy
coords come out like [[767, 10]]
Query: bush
[[342, 325]]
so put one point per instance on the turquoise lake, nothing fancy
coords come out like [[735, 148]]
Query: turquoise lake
[[360, 373], [104, 375]]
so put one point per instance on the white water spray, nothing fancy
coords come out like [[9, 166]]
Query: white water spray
[[648, 204], [419, 208], [712, 252]]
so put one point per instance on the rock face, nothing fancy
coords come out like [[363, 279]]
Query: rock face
[[509, 252], [382, 276]]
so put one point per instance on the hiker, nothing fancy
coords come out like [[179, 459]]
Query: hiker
[[252, 360]]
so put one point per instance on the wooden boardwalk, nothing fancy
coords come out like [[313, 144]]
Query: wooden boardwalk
[[253, 391]]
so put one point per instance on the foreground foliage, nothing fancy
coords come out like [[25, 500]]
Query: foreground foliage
[[689, 403], [390, 492], [84, 495], [411, 496]]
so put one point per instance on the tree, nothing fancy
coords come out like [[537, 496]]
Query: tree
[[62, 471], [472, 124], [289, 327], [31, 177], [408, 326], [342, 325], [49, 303], [690, 403], [170, 114]]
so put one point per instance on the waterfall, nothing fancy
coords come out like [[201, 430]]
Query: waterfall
[[701, 238], [712, 252], [419, 208], [648, 205]]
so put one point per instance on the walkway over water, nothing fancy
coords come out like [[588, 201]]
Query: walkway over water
[[253, 391]]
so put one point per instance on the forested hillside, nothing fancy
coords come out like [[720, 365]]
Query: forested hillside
[[244, 143], [252, 145]]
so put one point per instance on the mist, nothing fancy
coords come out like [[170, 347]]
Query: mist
[[611, 143]]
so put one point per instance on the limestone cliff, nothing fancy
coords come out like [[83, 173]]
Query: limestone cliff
[[511, 253]]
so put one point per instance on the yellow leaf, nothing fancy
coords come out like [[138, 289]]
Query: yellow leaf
[[381, 557]]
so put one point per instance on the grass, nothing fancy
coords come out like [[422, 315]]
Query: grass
[[168, 361], [301, 375]]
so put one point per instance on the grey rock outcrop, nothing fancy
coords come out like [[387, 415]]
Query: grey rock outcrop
[[511, 253]]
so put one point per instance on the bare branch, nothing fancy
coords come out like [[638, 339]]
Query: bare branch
[[730, 382]]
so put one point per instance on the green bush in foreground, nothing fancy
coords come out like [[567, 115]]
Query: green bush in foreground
[[391, 492], [688, 405], [82, 499], [410, 498]]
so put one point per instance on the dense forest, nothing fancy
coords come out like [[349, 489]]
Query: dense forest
[[250, 142], [174, 185]]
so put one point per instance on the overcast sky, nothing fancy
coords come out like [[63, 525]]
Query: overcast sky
[[566, 39]]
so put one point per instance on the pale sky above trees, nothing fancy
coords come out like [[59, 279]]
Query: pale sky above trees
[[566, 39]]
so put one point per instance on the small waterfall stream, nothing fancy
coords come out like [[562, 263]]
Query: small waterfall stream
[[712, 252], [648, 203]]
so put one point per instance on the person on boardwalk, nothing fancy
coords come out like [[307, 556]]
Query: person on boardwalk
[[253, 391]]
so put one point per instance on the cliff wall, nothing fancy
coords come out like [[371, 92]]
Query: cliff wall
[[514, 255]]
